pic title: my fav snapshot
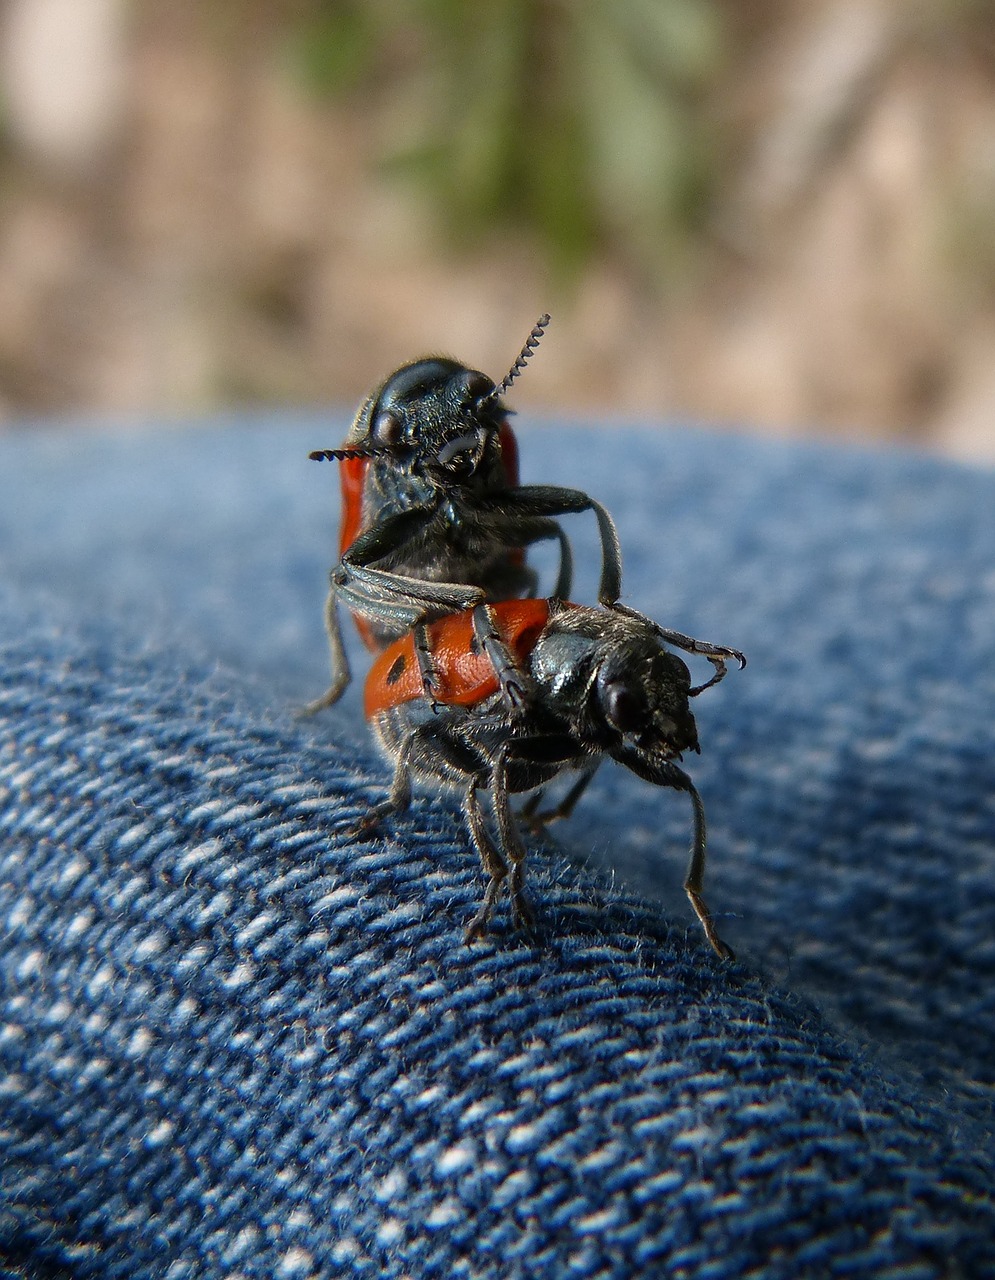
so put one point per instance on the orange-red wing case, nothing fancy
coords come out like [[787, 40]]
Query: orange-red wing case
[[462, 675]]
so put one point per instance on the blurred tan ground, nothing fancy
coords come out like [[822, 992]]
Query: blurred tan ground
[[182, 227]]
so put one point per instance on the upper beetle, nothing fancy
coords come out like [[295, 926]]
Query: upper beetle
[[604, 684], [434, 519]]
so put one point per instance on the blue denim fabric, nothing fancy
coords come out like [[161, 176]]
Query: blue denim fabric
[[236, 1043]]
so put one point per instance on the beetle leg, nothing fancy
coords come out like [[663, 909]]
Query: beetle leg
[[388, 610], [423, 654], [717, 654], [387, 536], [511, 842], [399, 797], [564, 579], [531, 804], [537, 820], [556, 501], [720, 673], [611, 557], [696, 872], [394, 598], [664, 773], [517, 688], [494, 864], [387, 599], [341, 674], [520, 514]]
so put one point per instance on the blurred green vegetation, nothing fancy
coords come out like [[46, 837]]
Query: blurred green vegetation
[[579, 122]]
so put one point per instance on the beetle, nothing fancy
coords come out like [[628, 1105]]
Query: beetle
[[434, 519], [605, 685]]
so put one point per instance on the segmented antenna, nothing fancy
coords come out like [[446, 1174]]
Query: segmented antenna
[[340, 455], [531, 342]]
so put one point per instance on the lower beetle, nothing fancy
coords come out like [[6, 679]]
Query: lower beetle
[[602, 684]]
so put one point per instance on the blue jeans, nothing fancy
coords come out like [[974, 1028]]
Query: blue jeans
[[237, 1042]]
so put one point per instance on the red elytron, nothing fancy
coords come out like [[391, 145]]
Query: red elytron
[[463, 675]]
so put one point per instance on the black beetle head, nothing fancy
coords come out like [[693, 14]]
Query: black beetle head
[[435, 417], [644, 700]]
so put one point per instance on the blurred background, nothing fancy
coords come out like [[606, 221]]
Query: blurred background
[[768, 213]]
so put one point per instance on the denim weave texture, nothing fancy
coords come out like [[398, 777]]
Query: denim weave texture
[[238, 1042]]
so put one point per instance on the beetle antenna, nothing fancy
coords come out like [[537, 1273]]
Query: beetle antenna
[[531, 342], [340, 455]]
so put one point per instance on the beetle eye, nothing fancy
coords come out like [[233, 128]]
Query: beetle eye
[[387, 429], [476, 385], [624, 709]]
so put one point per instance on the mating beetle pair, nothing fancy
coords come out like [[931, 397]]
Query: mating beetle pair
[[480, 685]]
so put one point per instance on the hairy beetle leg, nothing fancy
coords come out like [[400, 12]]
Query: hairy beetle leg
[[528, 514], [490, 856], [423, 655], [695, 876], [537, 820], [521, 907], [510, 840], [372, 589], [339, 663], [503, 859], [721, 949], [397, 801], [517, 688]]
